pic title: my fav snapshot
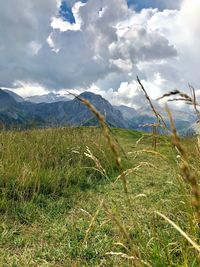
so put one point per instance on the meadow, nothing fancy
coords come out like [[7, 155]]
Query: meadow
[[65, 202]]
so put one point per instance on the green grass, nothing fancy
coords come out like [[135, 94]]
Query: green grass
[[50, 191]]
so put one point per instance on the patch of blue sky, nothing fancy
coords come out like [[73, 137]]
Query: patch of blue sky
[[65, 11], [140, 4]]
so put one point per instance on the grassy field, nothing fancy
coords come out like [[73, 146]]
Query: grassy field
[[61, 203]]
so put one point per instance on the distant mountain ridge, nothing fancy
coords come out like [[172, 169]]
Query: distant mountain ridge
[[71, 112], [127, 112], [15, 110], [47, 98], [14, 95]]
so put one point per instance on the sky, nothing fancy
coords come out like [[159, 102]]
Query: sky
[[100, 46]]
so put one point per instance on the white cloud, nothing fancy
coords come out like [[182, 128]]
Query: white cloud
[[130, 93], [182, 29], [29, 89], [34, 47], [59, 23], [123, 65]]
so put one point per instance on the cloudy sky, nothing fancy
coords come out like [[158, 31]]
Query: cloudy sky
[[99, 45]]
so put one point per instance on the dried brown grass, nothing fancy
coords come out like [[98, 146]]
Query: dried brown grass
[[189, 175]]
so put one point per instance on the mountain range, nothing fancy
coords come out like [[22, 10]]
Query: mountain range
[[47, 98], [54, 110]]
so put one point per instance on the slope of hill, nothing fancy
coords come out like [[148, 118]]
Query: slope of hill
[[61, 204], [10, 110], [73, 112], [177, 114], [127, 112], [16, 97], [86, 117]]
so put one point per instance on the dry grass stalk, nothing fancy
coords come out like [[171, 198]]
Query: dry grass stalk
[[191, 177], [125, 256], [195, 104], [139, 196], [155, 153], [152, 124], [125, 183], [175, 138], [175, 93], [92, 222], [122, 255], [158, 116], [198, 144], [193, 243], [154, 142], [106, 131], [180, 96], [139, 140], [90, 155], [119, 225], [155, 127], [117, 142], [160, 121], [86, 212], [133, 250], [135, 169], [122, 246], [102, 122]]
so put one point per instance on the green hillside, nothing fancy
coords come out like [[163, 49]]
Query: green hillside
[[62, 199]]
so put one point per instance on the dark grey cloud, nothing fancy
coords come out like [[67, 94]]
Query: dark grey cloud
[[83, 56], [139, 44], [24, 26]]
